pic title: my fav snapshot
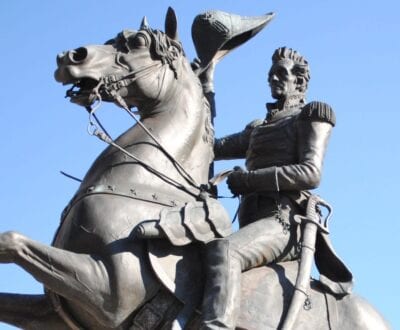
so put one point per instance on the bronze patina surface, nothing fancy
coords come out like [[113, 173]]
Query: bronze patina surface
[[186, 270]]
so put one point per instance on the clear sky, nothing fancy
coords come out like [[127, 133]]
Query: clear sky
[[354, 52]]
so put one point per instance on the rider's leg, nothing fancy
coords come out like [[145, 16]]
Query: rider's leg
[[220, 292], [256, 244]]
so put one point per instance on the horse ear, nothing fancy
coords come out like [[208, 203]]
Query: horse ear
[[171, 25], [144, 25]]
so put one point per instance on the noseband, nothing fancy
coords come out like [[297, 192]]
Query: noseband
[[113, 83]]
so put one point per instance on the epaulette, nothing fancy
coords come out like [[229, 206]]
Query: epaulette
[[318, 111], [254, 123]]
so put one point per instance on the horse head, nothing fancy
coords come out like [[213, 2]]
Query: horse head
[[146, 69], [135, 66]]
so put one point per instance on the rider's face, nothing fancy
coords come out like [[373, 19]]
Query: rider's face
[[281, 79]]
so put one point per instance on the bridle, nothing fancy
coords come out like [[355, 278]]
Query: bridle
[[110, 86]]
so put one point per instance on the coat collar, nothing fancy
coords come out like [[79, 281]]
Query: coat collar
[[285, 108]]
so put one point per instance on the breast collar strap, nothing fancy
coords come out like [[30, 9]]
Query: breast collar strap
[[135, 193]]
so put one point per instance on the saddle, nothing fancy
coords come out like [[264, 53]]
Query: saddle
[[265, 296], [175, 304]]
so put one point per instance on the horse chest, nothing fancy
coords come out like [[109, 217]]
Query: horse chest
[[96, 220]]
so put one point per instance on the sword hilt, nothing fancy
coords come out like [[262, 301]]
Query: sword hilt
[[314, 214]]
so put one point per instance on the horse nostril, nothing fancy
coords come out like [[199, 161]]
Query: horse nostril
[[60, 58], [78, 55]]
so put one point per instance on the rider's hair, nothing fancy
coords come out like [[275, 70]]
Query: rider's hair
[[300, 69]]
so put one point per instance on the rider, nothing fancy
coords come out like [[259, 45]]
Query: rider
[[284, 155]]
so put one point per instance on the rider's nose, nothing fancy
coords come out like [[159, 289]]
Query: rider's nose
[[274, 77], [78, 55]]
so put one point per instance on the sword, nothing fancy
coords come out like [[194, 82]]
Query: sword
[[313, 223]]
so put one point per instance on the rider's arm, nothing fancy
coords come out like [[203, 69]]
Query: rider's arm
[[314, 128], [234, 146]]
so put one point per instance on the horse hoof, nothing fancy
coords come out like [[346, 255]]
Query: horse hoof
[[10, 245]]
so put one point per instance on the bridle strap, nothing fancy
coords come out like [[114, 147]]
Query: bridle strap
[[115, 83], [102, 136], [111, 85]]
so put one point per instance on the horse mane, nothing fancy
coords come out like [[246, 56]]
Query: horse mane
[[165, 49]]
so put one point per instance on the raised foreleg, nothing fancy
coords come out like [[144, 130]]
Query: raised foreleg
[[104, 290], [80, 278], [32, 312]]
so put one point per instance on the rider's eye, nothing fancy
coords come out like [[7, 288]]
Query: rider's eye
[[141, 40]]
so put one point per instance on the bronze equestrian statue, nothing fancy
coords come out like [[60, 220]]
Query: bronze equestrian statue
[[97, 274]]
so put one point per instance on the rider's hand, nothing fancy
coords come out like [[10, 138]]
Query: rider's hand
[[206, 75], [237, 181]]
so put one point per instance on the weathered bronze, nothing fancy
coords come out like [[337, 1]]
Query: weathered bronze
[[153, 181]]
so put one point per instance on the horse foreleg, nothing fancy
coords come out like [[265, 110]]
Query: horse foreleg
[[76, 277], [32, 312]]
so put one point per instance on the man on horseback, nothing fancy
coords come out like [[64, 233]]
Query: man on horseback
[[284, 156], [97, 275]]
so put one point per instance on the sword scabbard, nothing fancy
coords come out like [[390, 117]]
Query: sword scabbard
[[312, 224]]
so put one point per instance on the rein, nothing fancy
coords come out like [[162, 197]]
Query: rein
[[111, 85], [115, 83]]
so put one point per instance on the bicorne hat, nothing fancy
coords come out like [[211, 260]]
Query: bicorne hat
[[215, 33]]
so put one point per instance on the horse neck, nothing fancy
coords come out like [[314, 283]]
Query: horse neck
[[182, 125]]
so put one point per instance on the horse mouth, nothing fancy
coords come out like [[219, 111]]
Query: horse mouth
[[84, 91]]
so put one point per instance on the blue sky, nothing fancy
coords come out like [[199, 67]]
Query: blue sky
[[354, 54]]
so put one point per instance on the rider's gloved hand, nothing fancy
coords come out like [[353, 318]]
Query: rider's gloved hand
[[206, 75], [237, 181]]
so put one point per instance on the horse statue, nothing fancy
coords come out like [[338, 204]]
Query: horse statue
[[96, 274]]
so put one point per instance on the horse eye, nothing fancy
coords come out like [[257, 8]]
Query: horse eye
[[141, 40]]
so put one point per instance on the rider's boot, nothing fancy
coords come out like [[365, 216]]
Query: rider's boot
[[222, 287]]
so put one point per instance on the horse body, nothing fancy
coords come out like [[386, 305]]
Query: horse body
[[128, 193], [97, 270], [267, 292], [100, 224], [266, 295]]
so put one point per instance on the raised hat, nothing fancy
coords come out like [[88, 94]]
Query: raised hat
[[215, 33]]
